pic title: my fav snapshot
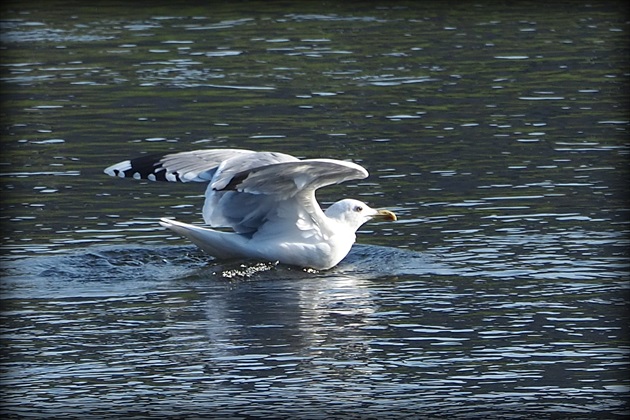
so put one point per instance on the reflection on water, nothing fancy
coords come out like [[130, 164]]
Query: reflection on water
[[131, 324], [271, 340], [497, 133]]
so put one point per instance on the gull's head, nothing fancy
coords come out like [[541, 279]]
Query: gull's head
[[355, 213]]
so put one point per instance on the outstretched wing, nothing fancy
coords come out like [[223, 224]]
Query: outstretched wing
[[193, 166], [282, 193], [248, 190], [288, 179]]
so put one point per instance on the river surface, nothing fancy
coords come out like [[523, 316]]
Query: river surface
[[497, 132]]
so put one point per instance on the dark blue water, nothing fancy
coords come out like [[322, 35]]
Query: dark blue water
[[498, 134]]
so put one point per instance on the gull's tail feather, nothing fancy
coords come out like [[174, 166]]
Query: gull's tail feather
[[216, 243]]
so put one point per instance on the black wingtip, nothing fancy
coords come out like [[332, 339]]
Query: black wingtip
[[144, 167]]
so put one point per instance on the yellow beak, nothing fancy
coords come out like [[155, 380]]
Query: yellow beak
[[385, 215]]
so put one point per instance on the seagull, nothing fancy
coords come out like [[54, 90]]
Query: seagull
[[267, 200]]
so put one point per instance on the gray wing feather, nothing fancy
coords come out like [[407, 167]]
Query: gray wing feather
[[199, 165], [238, 165], [288, 179]]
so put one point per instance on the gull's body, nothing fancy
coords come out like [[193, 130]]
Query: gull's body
[[267, 199]]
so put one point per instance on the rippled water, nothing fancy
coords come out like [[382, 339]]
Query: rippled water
[[497, 134]]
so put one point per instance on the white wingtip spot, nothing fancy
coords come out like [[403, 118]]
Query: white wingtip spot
[[118, 169]]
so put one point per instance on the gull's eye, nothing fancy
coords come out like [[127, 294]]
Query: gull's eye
[[358, 209]]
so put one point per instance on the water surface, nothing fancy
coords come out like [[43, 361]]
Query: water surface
[[497, 134]]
